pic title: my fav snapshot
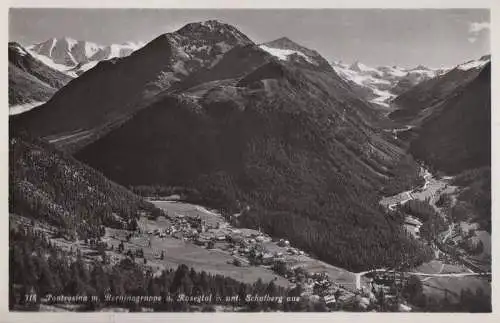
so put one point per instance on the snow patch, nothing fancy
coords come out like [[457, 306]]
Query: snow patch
[[382, 96], [20, 51], [360, 67], [21, 108], [87, 66], [420, 73], [71, 43], [54, 41], [393, 71], [50, 63], [182, 52], [114, 51], [73, 58], [179, 67], [358, 78], [283, 54], [91, 49], [136, 45]]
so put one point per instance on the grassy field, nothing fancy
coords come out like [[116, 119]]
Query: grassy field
[[438, 267], [172, 208], [179, 252], [451, 269], [431, 267]]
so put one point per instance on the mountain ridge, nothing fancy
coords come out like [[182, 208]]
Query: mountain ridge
[[70, 52], [30, 81], [451, 130], [432, 92]]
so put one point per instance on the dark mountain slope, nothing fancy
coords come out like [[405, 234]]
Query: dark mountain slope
[[50, 186], [29, 79], [116, 87], [277, 142], [236, 63], [474, 200], [457, 136]]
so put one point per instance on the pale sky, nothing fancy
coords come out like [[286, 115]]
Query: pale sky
[[403, 37]]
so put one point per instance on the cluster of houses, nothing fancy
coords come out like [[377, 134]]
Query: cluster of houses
[[192, 228], [320, 286], [248, 246]]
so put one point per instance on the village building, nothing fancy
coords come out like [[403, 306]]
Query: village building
[[283, 243], [220, 237], [267, 259]]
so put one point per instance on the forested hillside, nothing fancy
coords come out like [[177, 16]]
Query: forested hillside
[[51, 186], [457, 136], [474, 200]]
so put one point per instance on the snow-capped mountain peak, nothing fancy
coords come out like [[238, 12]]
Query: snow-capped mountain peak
[[71, 42], [360, 67], [91, 49], [420, 67], [381, 84], [213, 31], [68, 54]]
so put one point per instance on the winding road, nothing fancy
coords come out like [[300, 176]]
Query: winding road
[[392, 206]]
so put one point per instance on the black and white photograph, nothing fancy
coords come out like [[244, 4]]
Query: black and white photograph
[[249, 160]]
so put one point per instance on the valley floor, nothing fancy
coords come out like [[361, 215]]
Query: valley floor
[[445, 276]]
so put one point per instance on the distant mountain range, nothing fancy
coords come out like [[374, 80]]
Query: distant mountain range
[[77, 56], [380, 85], [119, 86]]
